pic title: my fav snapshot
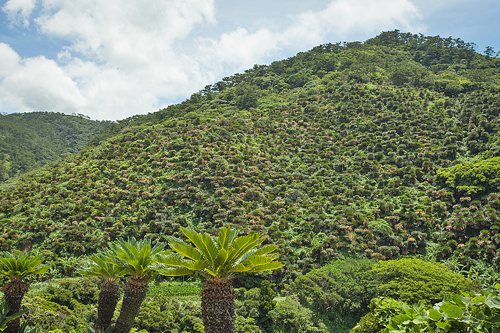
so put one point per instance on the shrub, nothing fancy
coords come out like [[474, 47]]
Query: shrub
[[164, 314], [51, 316], [71, 292], [291, 317], [465, 312], [339, 288], [381, 311], [477, 177], [413, 280]]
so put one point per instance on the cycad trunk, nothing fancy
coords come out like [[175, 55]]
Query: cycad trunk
[[14, 292], [134, 294], [217, 306], [108, 297]]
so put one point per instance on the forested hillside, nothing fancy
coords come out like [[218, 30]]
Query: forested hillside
[[381, 149], [31, 140]]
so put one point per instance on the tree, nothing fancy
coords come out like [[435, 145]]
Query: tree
[[266, 302], [138, 261], [109, 288], [217, 261], [17, 268]]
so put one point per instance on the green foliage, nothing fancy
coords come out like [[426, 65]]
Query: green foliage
[[50, 315], [380, 226], [247, 303], [382, 309], [108, 330], [266, 303], [337, 153], [245, 325], [4, 310], [291, 317], [338, 293], [473, 178], [414, 280], [219, 258], [73, 292], [18, 267], [337, 289], [465, 312], [164, 314], [174, 289], [133, 258]]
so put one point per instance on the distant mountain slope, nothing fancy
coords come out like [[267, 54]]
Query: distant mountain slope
[[346, 149], [31, 140]]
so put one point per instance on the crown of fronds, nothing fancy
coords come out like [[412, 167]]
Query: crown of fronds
[[219, 258], [20, 266], [136, 259]]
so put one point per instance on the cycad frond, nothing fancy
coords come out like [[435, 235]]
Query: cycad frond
[[220, 259], [98, 266], [18, 267], [136, 258]]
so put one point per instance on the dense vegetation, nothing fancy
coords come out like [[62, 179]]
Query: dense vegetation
[[374, 150], [31, 140]]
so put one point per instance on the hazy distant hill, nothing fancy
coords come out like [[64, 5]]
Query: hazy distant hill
[[31, 140]]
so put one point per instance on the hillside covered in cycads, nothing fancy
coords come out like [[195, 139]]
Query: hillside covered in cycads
[[381, 149], [31, 140]]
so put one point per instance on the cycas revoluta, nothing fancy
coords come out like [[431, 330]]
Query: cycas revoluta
[[17, 268], [218, 261], [109, 289], [138, 261]]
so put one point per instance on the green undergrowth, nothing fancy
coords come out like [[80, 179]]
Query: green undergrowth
[[174, 289]]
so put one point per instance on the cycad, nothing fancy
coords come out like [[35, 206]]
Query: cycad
[[109, 289], [17, 268], [138, 262], [218, 261]]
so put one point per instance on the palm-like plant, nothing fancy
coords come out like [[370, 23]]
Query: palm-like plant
[[5, 318], [109, 289], [138, 261], [17, 268], [218, 261]]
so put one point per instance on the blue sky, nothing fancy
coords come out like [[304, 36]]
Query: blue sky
[[116, 58]]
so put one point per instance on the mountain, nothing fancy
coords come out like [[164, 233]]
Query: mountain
[[31, 140], [384, 148]]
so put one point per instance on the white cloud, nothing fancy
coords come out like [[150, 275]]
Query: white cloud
[[339, 19], [124, 31], [9, 60], [40, 84], [237, 49], [347, 17], [19, 11], [125, 57]]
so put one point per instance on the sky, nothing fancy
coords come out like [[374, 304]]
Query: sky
[[112, 59]]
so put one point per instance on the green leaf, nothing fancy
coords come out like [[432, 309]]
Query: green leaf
[[186, 250], [204, 243], [176, 271], [495, 320], [434, 315], [443, 325], [222, 257], [226, 237], [451, 310], [267, 267], [493, 303]]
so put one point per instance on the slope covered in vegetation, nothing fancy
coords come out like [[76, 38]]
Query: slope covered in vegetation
[[347, 148], [371, 150], [31, 140]]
